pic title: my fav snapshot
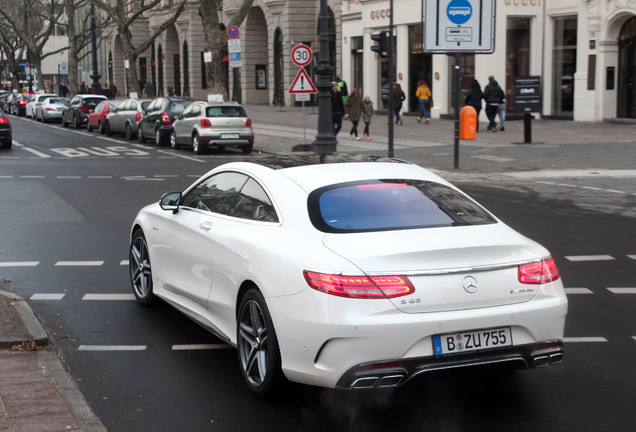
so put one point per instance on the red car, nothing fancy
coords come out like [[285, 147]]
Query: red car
[[97, 118]]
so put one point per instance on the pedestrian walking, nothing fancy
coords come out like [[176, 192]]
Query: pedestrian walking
[[170, 90], [423, 94], [337, 108], [342, 88], [501, 112], [474, 97], [83, 88], [149, 90], [113, 90], [398, 101], [367, 114], [353, 110], [63, 89], [493, 95]]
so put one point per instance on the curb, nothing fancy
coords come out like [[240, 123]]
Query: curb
[[33, 326]]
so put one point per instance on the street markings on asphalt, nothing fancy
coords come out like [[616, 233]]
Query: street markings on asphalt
[[570, 291], [586, 258], [19, 263], [45, 296], [195, 347], [108, 297], [568, 185], [112, 347], [79, 263], [593, 339], [622, 290]]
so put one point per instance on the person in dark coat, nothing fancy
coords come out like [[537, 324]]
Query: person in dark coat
[[493, 95], [337, 108], [353, 109], [474, 97], [398, 101]]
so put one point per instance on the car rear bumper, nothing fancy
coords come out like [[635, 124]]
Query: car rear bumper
[[222, 142], [5, 135], [326, 342]]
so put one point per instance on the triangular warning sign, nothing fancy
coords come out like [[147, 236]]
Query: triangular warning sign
[[302, 83]]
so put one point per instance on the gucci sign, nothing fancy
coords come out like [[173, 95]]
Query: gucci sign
[[381, 14]]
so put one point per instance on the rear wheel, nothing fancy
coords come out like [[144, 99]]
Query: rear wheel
[[89, 128], [129, 132], [140, 134], [259, 355], [140, 270], [158, 139], [247, 149], [7, 144], [173, 141], [64, 122], [109, 131], [100, 128], [196, 146], [76, 122]]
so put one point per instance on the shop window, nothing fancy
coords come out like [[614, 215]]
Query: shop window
[[517, 56], [564, 65]]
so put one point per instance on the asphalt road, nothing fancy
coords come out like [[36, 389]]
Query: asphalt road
[[68, 198]]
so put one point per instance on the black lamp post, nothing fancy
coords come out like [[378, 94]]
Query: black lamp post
[[94, 74], [326, 141]]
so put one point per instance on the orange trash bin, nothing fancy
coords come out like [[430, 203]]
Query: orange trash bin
[[468, 123]]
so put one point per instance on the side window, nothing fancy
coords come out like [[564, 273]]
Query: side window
[[100, 107], [189, 112], [217, 193], [254, 204]]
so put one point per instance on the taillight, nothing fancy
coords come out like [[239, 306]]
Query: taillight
[[50, 109], [205, 123], [4, 120], [165, 118], [23, 102], [83, 108], [538, 273], [366, 287], [138, 117], [248, 122]]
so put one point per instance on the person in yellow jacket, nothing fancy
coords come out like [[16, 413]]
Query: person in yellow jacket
[[423, 94]]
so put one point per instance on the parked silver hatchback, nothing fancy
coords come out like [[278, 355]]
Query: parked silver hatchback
[[206, 124], [126, 117]]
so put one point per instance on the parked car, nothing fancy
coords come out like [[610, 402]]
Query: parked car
[[6, 133], [3, 101], [35, 102], [126, 117], [18, 103], [206, 124], [398, 272], [160, 115], [80, 107], [97, 119], [51, 109]]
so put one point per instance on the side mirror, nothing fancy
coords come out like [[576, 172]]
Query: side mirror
[[170, 201]]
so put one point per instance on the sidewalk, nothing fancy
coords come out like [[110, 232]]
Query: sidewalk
[[37, 394], [556, 145]]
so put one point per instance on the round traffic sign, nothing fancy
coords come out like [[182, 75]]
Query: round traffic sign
[[301, 55], [233, 32]]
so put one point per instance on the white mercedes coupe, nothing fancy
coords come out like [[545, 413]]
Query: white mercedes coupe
[[358, 272]]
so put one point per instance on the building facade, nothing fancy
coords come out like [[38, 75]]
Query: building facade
[[584, 52]]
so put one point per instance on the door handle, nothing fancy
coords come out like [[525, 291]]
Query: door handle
[[206, 226]]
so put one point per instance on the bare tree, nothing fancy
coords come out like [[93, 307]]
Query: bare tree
[[33, 22], [124, 13], [216, 40], [12, 50]]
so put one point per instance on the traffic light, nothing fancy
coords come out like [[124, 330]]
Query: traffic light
[[382, 43]]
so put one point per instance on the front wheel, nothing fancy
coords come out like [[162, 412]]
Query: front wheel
[[173, 141], [158, 139], [259, 355], [140, 134], [140, 270]]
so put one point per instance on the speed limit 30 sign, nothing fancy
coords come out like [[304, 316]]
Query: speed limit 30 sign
[[301, 55]]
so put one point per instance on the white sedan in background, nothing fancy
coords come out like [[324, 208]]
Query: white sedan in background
[[34, 103], [356, 273], [51, 109]]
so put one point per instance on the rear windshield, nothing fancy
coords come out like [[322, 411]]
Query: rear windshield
[[60, 101], [92, 102], [179, 106], [225, 111], [391, 205]]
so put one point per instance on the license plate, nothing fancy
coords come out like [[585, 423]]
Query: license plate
[[472, 341], [229, 136]]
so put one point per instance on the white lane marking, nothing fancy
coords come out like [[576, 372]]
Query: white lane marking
[[584, 339], [108, 297], [79, 263], [112, 347], [32, 177], [582, 187], [190, 347], [69, 177], [137, 178], [167, 176], [38, 153], [582, 258], [100, 177], [43, 296], [622, 290], [493, 158], [182, 156], [632, 257], [570, 291], [123, 262], [19, 263]]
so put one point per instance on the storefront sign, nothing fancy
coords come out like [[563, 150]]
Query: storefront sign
[[527, 94], [381, 14]]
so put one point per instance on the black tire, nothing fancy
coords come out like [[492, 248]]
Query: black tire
[[196, 147], [7, 145], [140, 134], [100, 128], [247, 149], [76, 123], [140, 269], [158, 139], [89, 128], [109, 131], [173, 141], [129, 133], [259, 355], [64, 123]]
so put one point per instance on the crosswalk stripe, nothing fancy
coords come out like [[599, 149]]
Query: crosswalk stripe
[[589, 258], [578, 291], [631, 257], [112, 347], [19, 264], [79, 263], [584, 339], [108, 297], [43, 296], [627, 290], [188, 347]]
